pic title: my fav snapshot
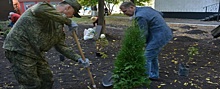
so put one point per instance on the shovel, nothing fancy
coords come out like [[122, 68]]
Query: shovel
[[107, 80], [83, 57]]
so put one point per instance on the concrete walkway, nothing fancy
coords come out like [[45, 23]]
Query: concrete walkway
[[182, 21], [191, 22]]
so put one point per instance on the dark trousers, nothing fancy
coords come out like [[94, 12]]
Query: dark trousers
[[29, 72]]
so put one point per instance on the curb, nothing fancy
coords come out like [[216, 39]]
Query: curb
[[173, 23]]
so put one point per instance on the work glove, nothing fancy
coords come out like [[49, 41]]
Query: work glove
[[73, 27], [84, 63]]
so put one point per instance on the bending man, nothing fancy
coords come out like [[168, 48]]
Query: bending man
[[156, 31], [38, 30]]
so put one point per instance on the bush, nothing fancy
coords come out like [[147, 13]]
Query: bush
[[5, 33], [130, 71]]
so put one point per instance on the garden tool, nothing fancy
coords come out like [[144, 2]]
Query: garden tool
[[183, 70], [216, 32], [107, 80], [83, 57]]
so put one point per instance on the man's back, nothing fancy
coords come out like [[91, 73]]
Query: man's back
[[33, 30], [158, 32]]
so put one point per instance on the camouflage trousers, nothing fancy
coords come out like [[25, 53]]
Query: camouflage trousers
[[29, 72]]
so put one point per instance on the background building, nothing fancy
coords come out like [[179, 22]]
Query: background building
[[192, 9], [6, 7]]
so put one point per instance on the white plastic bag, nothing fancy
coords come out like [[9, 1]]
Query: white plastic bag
[[89, 33]]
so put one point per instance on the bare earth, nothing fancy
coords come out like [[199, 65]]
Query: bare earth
[[204, 68]]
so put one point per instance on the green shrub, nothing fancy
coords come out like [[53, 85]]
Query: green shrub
[[5, 33], [130, 71]]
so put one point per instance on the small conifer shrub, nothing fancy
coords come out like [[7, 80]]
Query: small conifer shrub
[[130, 71]]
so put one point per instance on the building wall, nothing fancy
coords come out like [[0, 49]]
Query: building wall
[[25, 4], [186, 5], [6, 7]]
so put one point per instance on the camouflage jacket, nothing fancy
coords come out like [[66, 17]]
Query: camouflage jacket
[[38, 30]]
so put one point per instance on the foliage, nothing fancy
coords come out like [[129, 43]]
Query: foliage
[[192, 51], [103, 55], [129, 69], [88, 2], [5, 33], [141, 2], [108, 4], [1, 28], [101, 43], [94, 2], [112, 1]]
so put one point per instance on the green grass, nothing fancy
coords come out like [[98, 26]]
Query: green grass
[[82, 20], [4, 25], [119, 15], [115, 19]]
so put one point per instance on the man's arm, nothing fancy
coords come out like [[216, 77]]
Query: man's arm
[[47, 11], [143, 25], [66, 51]]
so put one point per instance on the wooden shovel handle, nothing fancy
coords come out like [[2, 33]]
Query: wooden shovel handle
[[83, 57], [78, 45]]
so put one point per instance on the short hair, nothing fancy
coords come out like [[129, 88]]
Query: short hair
[[63, 3], [127, 4]]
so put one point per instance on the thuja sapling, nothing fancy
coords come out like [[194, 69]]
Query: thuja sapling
[[130, 71], [192, 51], [184, 68]]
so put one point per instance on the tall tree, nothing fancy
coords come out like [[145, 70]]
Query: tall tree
[[101, 4], [101, 20], [109, 4]]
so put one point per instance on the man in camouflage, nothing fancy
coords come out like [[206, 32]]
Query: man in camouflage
[[38, 30]]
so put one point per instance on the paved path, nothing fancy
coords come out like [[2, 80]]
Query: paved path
[[182, 21], [191, 22]]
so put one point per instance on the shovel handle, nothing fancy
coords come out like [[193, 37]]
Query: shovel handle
[[78, 45], [83, 57]]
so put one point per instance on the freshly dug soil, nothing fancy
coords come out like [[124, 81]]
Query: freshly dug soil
[[204, 68]]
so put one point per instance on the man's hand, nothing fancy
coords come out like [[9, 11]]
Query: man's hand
[[73, 26], [84, 63]]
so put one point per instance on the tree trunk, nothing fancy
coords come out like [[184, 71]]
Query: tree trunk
[[101, 19]]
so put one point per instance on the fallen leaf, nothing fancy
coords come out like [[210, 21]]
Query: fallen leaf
[[185, 84], [158, 86], [163, 84], [207, 79], [81, 69]]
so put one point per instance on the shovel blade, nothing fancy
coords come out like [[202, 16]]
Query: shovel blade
[[107, 80]]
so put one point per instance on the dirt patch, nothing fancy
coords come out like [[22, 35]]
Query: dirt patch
[[204, 71], [196, 32]]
